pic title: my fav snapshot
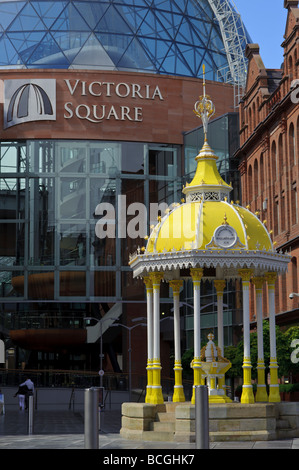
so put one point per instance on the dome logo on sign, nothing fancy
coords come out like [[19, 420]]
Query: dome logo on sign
[[29, 100]]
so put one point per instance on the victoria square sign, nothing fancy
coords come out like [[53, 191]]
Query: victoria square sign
[[35, 100]]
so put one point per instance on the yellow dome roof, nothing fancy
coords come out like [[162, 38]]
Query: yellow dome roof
[[196, 223], [209, 224]]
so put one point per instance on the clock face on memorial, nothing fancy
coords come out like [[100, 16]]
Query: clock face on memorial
[[225, 236]]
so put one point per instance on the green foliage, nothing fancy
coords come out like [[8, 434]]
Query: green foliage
[[289, 387]]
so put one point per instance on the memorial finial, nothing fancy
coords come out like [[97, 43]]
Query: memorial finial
[[204, 108]]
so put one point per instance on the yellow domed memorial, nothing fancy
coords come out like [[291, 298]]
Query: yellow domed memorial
[[208, 230]]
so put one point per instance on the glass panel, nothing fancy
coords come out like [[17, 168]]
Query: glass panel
[[161, 162], [41, 285], [12, 284], [134, 218], [27, 20], [42, 221], [101, 190], [8, 54], [12, 244], [72, 156], [12, 198], [90, 12], [132, 288], [105, 158], [132, 158], [8, 11], [70, 19], [102, 248], [103, 284], [49, 11], [72, 243], [72, 283], [12, 157], [41, 157], [72, 204]]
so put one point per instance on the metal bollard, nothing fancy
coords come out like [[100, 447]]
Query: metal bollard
[[91, 418], [30, 413], [201, 417]]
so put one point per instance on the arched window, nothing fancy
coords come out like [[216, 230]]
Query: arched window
[[256, 189], [290, 68], [253, 117], [273, 161], [262, 172], [292, 145], [280, 153], [249, 192]]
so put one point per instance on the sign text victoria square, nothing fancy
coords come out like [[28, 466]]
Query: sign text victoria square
[[35, 100], [98, 112]]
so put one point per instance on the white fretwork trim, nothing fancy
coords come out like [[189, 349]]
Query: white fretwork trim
[[233, 260]]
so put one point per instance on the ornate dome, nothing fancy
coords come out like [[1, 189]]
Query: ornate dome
[[162, 36], [207, 220]]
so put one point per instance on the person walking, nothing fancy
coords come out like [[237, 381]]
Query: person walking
[[30, 386], [22, 391]]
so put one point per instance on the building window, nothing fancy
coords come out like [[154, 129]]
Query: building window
[[262, 171], [250, 184], [256, 179], [273, 155], [280, 153], [282, 213], [276, 216], [292, 146], [294, 205]]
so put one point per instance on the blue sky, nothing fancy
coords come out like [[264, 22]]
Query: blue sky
[[265, 21]]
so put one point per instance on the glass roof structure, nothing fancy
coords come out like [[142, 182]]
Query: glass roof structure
[[172, 37]]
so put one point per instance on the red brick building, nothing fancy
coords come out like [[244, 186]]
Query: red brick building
[[269, 158]]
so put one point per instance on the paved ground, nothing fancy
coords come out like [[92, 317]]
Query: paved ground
[[65, 430]]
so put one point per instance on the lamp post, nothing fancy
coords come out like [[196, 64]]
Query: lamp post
[[100, 321], [129, 329]]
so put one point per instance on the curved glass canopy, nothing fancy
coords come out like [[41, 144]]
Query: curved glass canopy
[[159, 36]]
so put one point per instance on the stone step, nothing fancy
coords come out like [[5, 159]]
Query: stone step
[[242, 435], [165, 417], [160, 426], [282, 424], [163, 436]]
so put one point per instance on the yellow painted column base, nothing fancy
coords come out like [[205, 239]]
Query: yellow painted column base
[[247, 390], [261, 394], [178, 394], [156, 392], [274, 395], [149, 381], [156, 397], [219, 399], [261, 391], [247, 394]]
